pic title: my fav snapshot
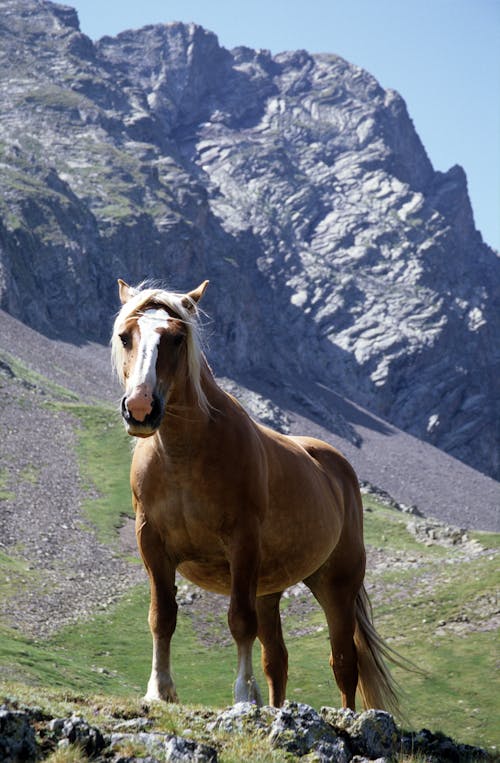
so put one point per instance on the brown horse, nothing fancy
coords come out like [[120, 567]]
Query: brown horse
[[237, 508]]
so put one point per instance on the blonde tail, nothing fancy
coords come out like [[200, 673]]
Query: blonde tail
[[375, 683]]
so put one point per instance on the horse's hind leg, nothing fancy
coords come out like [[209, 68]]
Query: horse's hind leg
[[274, 653], [337, 598]]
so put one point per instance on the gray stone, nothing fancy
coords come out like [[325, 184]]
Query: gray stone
[[299, 729], [178, 750], [153, 743], [133, 724], [77, 731], [374, 733], [165, 747], [329, 752], [243, 716], [438, 747], [340, 718], [17, 737]]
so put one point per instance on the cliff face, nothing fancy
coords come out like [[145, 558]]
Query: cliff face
[[294, 182]]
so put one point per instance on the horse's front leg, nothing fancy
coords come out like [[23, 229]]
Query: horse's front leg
[[242, 616], [162, 609]]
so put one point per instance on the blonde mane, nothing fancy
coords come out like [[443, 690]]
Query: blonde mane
[[184, 309]]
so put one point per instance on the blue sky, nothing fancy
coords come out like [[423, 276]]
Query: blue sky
[[442, 56]]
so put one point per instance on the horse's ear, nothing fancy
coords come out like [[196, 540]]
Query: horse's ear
[[125, 291], [194, 296]]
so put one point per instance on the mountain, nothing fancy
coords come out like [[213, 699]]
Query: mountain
[[338, 258]]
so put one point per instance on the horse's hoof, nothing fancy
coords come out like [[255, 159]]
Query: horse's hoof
[[248, 691], [161, 695]]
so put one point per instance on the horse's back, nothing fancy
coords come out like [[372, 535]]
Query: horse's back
[[332, 461]]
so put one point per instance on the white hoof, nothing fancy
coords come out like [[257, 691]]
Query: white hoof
[[247, 691], [163, 693]]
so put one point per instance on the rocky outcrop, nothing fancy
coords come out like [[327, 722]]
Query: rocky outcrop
[[294, 182], [296, 728]]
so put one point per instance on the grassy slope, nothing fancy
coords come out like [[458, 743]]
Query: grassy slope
[[110, 654]]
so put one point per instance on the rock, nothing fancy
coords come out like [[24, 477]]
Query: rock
[[382, 496], [17, 737], [299, 729], [178, 749], [77, 731], [165, 747], [431, 532], [340, 718], [259, 407], [243, 716], [374, 733], [152, 743], [334, 735], [326, 752], [438, 747]]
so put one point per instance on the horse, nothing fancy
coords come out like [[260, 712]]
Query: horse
[[237, 508]]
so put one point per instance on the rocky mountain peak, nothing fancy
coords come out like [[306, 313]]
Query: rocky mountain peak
[[295, 182]]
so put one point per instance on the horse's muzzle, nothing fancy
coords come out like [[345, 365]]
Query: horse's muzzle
[[151, 422]]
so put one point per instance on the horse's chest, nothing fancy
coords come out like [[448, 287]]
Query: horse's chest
[[187, 523]]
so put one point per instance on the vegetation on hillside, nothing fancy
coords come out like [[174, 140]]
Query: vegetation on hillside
[[434, 603]]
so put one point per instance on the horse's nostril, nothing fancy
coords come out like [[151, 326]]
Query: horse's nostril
[[150, 421], [139, 402]]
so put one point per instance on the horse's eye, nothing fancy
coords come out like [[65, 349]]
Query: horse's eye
[[125, 339]]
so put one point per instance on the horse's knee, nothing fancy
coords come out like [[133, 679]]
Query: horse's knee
[[162, 618], [242, 620]]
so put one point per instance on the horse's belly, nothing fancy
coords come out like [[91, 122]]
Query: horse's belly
[[213, 575], [280, 575], [274, 576]]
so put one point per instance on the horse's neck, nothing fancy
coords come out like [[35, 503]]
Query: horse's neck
[[184, 415]]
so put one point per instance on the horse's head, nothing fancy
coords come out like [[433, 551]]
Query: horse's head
[[154, 347]]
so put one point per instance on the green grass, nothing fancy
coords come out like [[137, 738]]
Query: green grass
[[30, 474], [104, 452], [487, 539], [110, 654], [5, 493], [15, 575], [386, 528], [36, 380], [57, 98]]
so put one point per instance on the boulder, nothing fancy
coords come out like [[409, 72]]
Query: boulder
[[17, 737]]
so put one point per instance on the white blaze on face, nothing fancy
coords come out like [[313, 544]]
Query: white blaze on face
[[143, 379]]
